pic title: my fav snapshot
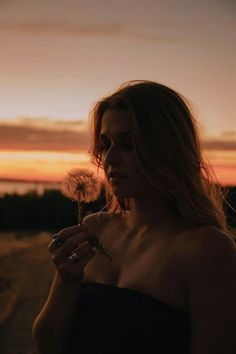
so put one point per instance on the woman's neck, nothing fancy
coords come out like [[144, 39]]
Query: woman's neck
[[153, 214]]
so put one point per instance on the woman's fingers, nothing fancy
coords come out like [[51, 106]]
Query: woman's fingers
[[75, 270], [65, 234], [68, 231], [71, 249], [78, 249], [71, 244]]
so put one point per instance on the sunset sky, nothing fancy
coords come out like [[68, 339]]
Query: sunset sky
[[58, 57]]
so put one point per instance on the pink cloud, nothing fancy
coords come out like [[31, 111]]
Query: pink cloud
[[63, 136]]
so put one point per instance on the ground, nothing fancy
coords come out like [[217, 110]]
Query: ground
[[26, 273], [25, 276]]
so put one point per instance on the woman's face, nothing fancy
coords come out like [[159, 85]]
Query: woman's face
[[118, 156]]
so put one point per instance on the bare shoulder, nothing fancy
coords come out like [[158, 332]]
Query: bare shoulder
[[209, 251], [211, 288], [206, 254], [211, 233], [208, 241]]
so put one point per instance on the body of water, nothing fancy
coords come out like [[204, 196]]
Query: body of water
[[11, 187]]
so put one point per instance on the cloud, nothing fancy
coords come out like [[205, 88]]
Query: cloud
[[71, 136], [42, 133], [54, 137], [66, 28], [62, 28], [220, 144], [229, 134], [56, 124]]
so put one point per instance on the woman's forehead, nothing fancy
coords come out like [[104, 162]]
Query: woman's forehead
[[116, 121]]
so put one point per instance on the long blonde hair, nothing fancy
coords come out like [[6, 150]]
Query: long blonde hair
[[167, 145]]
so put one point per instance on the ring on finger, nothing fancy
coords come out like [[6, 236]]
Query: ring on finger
[[57, 242], [73, 257]]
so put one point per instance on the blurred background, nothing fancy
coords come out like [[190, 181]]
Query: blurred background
[[58, 57]]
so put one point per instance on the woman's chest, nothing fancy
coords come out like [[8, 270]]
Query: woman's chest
[[154, 268]]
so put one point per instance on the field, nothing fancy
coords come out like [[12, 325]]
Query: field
[[25, 276]]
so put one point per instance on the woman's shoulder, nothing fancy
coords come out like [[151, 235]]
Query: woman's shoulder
[[207, 236], [207, 244], [204, 253], [210, 270]]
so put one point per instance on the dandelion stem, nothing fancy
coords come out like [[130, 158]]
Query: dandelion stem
[[80, 212]]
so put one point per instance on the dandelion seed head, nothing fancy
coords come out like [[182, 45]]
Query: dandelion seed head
[[82, 184]]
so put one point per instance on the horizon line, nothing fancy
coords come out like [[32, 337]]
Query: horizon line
[[15, 180]]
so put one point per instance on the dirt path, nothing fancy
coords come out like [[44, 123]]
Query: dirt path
[[15, 333]]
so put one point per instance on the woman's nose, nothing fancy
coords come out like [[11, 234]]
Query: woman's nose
[[112, 155]]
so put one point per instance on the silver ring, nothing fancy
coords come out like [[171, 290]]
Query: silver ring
[[73, 257], [57, 242]]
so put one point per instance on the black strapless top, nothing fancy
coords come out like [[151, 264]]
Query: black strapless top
[[112, 320]]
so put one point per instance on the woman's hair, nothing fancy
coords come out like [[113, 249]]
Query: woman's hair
[[168, 150]]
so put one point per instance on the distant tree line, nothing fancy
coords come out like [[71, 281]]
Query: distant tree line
[[52, 210]]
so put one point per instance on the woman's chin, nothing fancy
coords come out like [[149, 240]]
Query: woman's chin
[[120, 193]]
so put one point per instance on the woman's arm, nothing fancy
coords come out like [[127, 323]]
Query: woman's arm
[[51, 328], [212, 294]]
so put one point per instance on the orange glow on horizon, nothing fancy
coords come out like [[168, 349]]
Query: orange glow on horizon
[[52, 166], [39, 165], [226, 175], [223, 163]]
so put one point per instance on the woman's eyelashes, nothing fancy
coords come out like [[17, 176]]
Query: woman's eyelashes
[[124, 143], [104, 145]]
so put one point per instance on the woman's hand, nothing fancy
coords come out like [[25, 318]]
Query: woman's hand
[[71, 249]]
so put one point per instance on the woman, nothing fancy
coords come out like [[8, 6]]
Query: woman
[[169, 283]]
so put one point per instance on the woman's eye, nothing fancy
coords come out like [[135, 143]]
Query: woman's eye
[[127, 144], [104, 145]]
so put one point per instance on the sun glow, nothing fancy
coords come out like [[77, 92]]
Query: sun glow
[[223, 163], [39, 165], [53, 165]]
